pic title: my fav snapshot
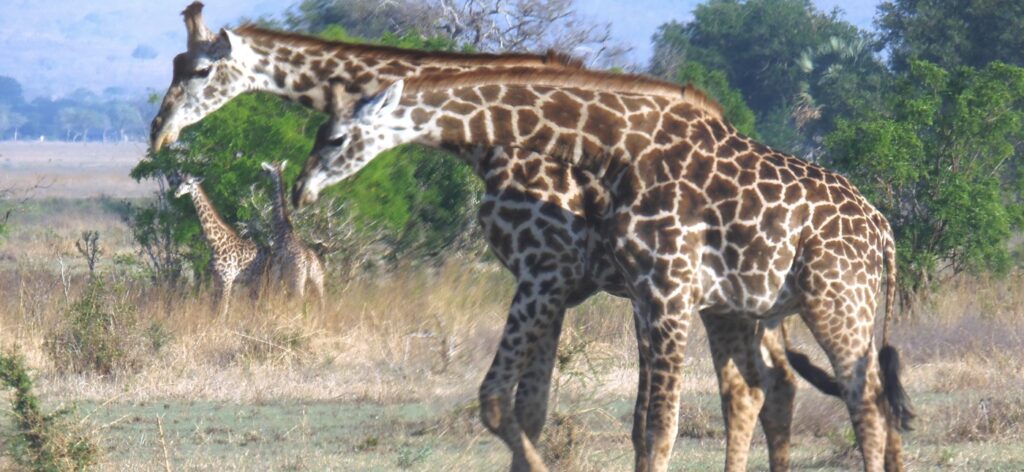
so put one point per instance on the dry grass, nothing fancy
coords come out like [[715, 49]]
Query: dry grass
[[425, 336], [73, 170]]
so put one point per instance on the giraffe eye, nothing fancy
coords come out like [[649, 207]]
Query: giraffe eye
[[204, 72], [337, 141]]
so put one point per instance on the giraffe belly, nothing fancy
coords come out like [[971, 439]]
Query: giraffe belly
[[760, 290]]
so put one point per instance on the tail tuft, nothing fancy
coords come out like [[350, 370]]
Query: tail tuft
[[896, 396], [813, 374]]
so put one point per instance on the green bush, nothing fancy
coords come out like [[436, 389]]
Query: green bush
[[100, 333], [41, 442]]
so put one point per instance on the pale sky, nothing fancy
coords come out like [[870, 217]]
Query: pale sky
[[56, 46]]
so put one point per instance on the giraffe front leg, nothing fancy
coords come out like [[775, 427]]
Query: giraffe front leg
[[643, 392], [734, 347], [534, 389], [223, 297], [515, 352], [668, 321], [316, 275]]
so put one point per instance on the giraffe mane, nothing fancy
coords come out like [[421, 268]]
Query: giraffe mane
[[581, 78], [549, 58]]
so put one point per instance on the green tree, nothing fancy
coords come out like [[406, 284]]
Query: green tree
[[125, 119], [951, 33], [759, 46], [842, 78], [715, 84], [942, 163], [756, 43], [420, 198], [10, 92], [362, 18], [226, 148]]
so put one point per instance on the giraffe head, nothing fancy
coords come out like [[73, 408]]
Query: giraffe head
[[349, 141], [188, 186], [206, 76]]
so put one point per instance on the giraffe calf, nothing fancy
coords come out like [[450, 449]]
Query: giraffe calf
[[235, 259], [295, 264]]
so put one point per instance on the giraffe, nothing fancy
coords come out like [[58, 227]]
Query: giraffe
[[234, 259], [216, 68], [294, 263], [701, 219]]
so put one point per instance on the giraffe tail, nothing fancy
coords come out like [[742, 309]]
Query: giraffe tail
[[814, 375], [896, 396]]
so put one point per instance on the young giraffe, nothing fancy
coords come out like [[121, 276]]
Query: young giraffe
[[701, 219], [294, 263], [216, 68], [234, 259]]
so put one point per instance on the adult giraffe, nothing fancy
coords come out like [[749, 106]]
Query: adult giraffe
[[559, 198], [701, 219]]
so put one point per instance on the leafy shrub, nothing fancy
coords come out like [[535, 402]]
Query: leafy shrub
[[42, 442], [100, 333]]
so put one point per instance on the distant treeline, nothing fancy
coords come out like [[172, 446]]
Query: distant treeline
[[81, 116]]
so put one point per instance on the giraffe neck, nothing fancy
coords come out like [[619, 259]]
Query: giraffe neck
[[592, 130], [216, 231], [301, 68], [282, 223]]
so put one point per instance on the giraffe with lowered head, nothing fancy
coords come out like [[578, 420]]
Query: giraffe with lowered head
[[558, 200], [294, 264], [235, 259], [701, 220]]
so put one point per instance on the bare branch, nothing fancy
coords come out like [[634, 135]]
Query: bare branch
[[526, 25]]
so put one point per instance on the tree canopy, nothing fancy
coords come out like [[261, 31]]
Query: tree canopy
[[796, 82], [952, 34], [942, 162]]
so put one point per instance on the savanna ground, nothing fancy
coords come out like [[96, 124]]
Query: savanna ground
[[384, 377]]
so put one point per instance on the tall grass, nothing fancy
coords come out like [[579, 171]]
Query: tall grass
[[427, 334]]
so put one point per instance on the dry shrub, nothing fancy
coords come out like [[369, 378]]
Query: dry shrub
[[987, 418], [271, 340], [819, 416], [564, 442], [696, 422], [101, 333]]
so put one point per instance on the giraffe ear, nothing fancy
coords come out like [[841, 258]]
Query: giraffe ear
[[198, 33], [283, 164], [227, 40], [267, 166], [384, 103]]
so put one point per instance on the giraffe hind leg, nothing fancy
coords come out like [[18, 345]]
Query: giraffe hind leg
[[856, 367], [898, 407], [734, 345], [780, 391]]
